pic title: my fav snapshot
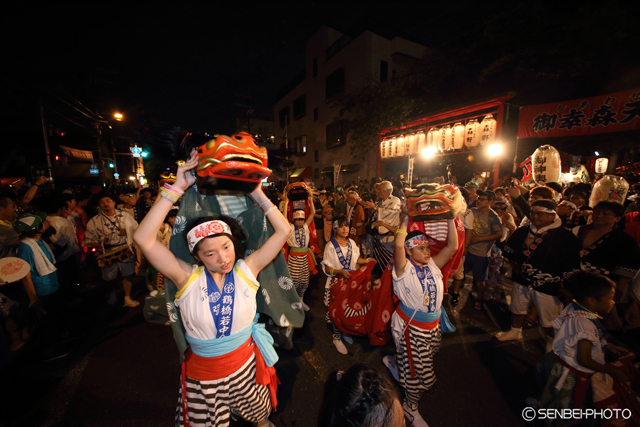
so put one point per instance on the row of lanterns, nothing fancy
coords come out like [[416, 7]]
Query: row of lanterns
[[547, 166], [445, 138]]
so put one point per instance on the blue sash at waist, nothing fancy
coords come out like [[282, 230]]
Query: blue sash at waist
[[219, 346], [428, 317]]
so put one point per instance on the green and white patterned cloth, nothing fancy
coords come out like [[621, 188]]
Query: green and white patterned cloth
[[277, 298]]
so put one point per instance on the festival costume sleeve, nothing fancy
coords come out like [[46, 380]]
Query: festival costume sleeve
[[521, 203], [628, 260], [91, 233], [276, 297]]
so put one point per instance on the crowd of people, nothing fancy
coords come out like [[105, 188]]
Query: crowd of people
[[574, 270]]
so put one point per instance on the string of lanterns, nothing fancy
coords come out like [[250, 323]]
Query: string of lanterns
[[446, 138]]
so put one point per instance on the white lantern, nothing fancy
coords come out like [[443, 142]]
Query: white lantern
[[471, 133], [610, 188], [400, 146], [391, 147], [433, 137], [445, 138], [457, 136], [602, 164], [410, 149], [546, 165], [487, 129], [384, 152], [422, 142]]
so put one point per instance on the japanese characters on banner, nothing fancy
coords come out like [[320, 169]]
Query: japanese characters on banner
[[527, 171], [336, 174], [410, 170], [599, 114]]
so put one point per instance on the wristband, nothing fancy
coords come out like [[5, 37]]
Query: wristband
[[264, 202], [331, 272], [170, 188], [400, 231], [169, 195], [269, 210], [272, 206]]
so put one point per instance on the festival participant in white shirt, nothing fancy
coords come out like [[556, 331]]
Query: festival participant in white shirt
[[228, 367], [416, 323], [341, 256], [387, 221], [113, 228]]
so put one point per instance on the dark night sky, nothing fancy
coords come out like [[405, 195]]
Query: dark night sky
[[183, 63]]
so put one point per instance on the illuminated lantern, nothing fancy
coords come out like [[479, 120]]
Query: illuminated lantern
[[487, 129], [546, 165], [471, 133], [391, 148], [400, 146], [457, 135], [422, 142], [410, 143], [433, 137], [384, 152], [610, 188], [445, 138], [602, 164]]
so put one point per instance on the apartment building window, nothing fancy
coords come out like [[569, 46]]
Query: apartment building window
[[384, 71], [299, 107], [334, 83], [300, 144], [336, 135], [315, 67], [284, 116], [315, 114]]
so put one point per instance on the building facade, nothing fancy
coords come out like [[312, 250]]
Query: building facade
[[336, 63]]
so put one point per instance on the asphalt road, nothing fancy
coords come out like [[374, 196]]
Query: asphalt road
[[125, 371]]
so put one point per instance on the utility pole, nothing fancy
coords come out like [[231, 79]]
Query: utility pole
[[46, 140], [99, 149]]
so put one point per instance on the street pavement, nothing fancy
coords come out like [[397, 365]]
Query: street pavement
[[125, 371]]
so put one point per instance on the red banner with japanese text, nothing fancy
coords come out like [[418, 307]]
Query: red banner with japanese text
[[586, 116]]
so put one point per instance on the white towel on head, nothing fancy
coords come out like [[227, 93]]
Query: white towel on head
[[43, 265]]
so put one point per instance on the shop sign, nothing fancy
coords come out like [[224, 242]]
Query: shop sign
[[586, 116]]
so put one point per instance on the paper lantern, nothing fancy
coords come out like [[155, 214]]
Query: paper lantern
[[422, 142], [433, 137], [487, 130], [601, 165], [610, 188], [445, 138], [400, 146], [546, 165], [457, 135], [471, 133], [384, 151], [391, 148], [411, 145]]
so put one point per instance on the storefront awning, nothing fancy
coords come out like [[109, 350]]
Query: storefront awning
[[301, 173]]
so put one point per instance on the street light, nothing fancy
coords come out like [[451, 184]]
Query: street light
[[429, 152], [495, 150], [119, 117]]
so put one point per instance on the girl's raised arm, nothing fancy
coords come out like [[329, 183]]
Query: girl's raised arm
[[145, 236]]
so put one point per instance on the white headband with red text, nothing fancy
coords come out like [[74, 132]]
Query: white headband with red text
[[206, 229]]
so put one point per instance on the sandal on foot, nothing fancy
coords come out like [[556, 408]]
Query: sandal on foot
[[131, 303]]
